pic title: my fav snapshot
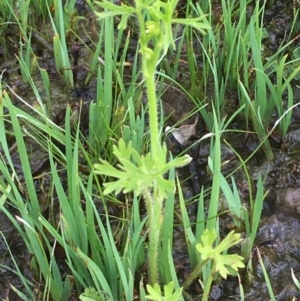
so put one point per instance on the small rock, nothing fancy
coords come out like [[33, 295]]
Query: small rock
[[288, 200]]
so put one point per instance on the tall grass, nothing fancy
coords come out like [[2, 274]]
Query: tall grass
[[233, 59]]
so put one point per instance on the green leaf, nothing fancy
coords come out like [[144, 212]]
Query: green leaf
[[169, 294], [107, 169], [206, 249], [90, 294], [116, 187], [223, 264], [168, 289], [154, 291], [296, 281], [230, 240], [123, 23], [136, 172], [195, 23], [114, 10]]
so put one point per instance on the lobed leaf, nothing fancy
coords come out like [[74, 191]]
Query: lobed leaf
[[223, 263]]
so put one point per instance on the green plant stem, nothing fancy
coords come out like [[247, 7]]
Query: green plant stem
[[151, 94], [208, 284], [154, 201], [195, 273], [154, 209], [150, 60]]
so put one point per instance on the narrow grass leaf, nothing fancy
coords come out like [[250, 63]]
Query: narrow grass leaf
[[266, 276]]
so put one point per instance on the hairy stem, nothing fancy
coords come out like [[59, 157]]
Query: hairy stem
[[154, 209], [154, 202], [151, 94], [150, 59], [195, 273]]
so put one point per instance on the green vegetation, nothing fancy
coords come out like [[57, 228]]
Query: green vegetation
[[103, 173]]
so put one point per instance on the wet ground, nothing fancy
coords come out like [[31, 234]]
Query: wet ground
[[278, 237]]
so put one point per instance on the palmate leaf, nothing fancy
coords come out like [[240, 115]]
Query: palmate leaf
[[114, 10], [115, 186], [123, 151], [90, 294], [169, 294], [136, 172], [109, 169], [195, 23], [155, 292], [223, 264], [206, 248], [230, 240]]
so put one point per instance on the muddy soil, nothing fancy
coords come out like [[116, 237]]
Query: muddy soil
[[278, 237]]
